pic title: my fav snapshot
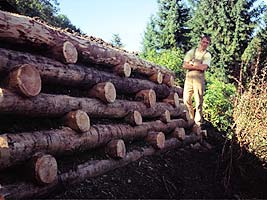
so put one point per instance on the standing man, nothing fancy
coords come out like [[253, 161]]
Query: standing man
[[196, 61]]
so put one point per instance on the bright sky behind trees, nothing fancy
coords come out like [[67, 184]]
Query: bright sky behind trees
[[103, 18]]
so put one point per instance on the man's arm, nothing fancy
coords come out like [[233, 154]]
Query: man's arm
[[195, 66]]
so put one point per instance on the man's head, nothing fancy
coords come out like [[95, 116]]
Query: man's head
[[204, 42]]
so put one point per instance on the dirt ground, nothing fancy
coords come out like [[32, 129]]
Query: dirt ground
[[186, 173]]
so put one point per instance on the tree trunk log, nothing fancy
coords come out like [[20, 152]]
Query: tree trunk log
[[156, 139], [59, 105], [165, 117], [86, 170], [148, 97], [123, 70], [44, 168], [77, 120], [134, 118], [25, 80], [21, 146], [179, 133], [106, 92], [116, 149], [78, 75], [172, 99], [66, 52], [168, 80], [156, 77]]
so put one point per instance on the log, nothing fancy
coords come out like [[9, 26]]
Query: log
[[168, 80], [106, 92], [78, 120], [89, 169], [172, 99], [116, 149], [134, 118], [196, 129], [156, 139], [77, 75], [58, 105], [25, 80], [66, 52], [156, 77], [123, 70], [179, 133], [21, 146], [148, 97], [44, 167], [166, 117]]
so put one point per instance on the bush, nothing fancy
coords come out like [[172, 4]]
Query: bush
[[250, 117], [172, 59], [218, 103]]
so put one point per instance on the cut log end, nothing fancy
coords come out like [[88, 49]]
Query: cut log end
[[156, 77], [156, 139], [168, 80], [25, 80], [172, 99], [70, 52], [116, 149], [123, 70], [196, 129], [166, 117], [45, 168], [78, 120], [104, 91], [147, 96], [134, 118], [179, 133]]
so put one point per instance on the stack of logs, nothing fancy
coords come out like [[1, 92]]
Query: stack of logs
[[98, 96]]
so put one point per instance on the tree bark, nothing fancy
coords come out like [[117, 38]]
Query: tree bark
[[21, 146], [25, 80], [168, 80], [59, 105], [22, 190], [179, 133], [78, 75]]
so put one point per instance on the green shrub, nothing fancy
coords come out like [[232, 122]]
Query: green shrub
[[218, 102]]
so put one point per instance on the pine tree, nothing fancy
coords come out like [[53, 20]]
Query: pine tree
[[167, 29], [116, 41]]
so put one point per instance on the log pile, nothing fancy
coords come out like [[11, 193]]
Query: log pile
[[65, 95]]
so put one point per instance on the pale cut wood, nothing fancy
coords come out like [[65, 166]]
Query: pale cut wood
[[172, 99], [78, 120], [106, 92], [123, 70], [179, 133], [22, 146], [148, 97], [156, 77], [116, 149], [89, 169], [168, 80], [134, 118], [196, 129], [156, 139], [56, 72], [65, 52], [166, 117], [25, 80], [45, 168], [58, 105]]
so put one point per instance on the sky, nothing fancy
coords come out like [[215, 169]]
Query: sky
[[103, 18]]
